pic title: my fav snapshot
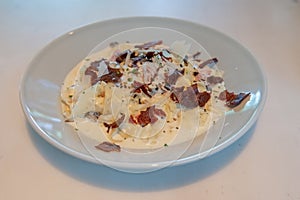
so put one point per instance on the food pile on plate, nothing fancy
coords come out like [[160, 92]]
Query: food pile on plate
[[137, 95]]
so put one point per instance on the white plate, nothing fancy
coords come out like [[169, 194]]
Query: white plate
[[40, 89]]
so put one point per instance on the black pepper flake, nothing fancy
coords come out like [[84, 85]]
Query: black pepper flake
[[167, 87], [207, 88], [195, 73]]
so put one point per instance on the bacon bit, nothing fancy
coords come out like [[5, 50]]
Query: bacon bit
[[196, 55], [208, 62], [92, 71], [114, 124], [176, 91], [147, 45], [232, 99], [140, 87], [150, 55], [174, 98], [191, 97], [113, 76], [171, 80], [108, 147], [159, 112], [136, 84], [214, 80], [148, 116], [203, 98], [132, 120], [122, 56], [149, 72], [187, 97]]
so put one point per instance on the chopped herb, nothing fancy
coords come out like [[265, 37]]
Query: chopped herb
[[134, 71], [70, 96], [129, 79]]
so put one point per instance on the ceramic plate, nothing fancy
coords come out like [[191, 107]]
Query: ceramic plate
[[40, 88]]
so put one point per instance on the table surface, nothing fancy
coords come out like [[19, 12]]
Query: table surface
[[263, 164]]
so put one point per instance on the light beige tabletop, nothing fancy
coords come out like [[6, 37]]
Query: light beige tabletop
[[263, 164]]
